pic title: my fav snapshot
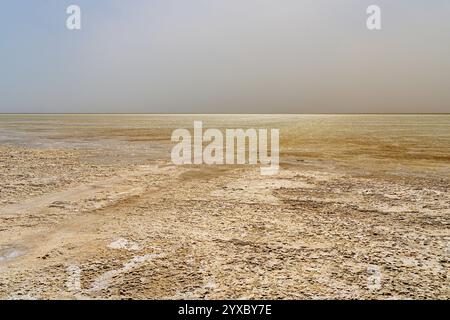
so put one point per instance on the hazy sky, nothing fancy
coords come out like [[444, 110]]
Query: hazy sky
[[225, 56]]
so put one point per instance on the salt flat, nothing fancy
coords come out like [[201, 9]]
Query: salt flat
[[92, 208]]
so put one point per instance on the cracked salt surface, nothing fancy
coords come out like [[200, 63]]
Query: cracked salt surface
[[103, 281], [9, 254], [124, 244]]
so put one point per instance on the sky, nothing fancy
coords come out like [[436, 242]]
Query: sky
[[224, 56]]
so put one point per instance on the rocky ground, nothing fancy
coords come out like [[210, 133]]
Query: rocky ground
[[72, 229]]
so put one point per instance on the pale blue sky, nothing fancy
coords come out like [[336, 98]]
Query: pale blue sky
[[224, 56]]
